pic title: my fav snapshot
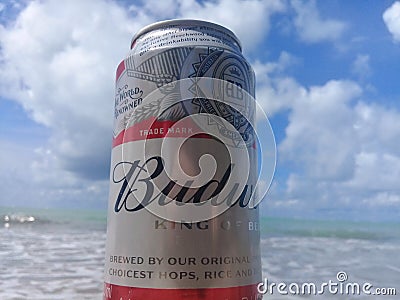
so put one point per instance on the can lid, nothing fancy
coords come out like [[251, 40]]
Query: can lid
[[185, 22]]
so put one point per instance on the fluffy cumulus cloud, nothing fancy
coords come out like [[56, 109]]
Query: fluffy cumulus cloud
[[391, 17], [378, 161], [32, 177], [361, 66], [275, 90], [233, 14], [59, 63], [230, 13], [341, 152], [319, 136], [311, 27]]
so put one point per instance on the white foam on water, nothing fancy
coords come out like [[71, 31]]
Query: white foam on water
[[318, 260], [51, 263]]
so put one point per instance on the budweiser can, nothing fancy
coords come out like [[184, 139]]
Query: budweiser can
[[181, 224]]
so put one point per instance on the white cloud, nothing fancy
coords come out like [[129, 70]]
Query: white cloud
[[16, 173], [249, 19], [229, 13], [33, 177], [311, 27], [275, 90], [59, 64], [391, 17], [383, 199], [376, 171], [343, 154], [166, 9], [319, 136], [378, 162], [378, 128], [361, 66], [286, 203]]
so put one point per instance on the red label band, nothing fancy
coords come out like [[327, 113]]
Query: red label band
[[120, 69], [154, 129], [117, 292]]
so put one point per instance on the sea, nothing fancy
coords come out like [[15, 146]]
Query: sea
[[51, 254]]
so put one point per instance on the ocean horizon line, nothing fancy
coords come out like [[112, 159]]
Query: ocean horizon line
[[270, 226], [280, 217]]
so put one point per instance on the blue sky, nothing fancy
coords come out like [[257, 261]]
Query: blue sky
[[327, 76]]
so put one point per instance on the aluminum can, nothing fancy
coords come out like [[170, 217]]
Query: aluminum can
[[151, 254]]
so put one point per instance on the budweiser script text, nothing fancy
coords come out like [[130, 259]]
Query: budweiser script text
[[137, 176]]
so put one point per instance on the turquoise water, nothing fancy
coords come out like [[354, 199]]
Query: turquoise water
[[271, 227], [57, 217], [330, 229], [59, 254]]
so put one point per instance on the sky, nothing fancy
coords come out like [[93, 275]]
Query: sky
[[327, 77]]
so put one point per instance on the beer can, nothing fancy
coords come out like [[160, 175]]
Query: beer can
[[183, 168]]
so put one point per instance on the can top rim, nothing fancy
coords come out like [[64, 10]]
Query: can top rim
[[184, 22]]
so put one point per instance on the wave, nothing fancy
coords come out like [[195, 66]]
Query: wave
[[52, 218], [21, 219]]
